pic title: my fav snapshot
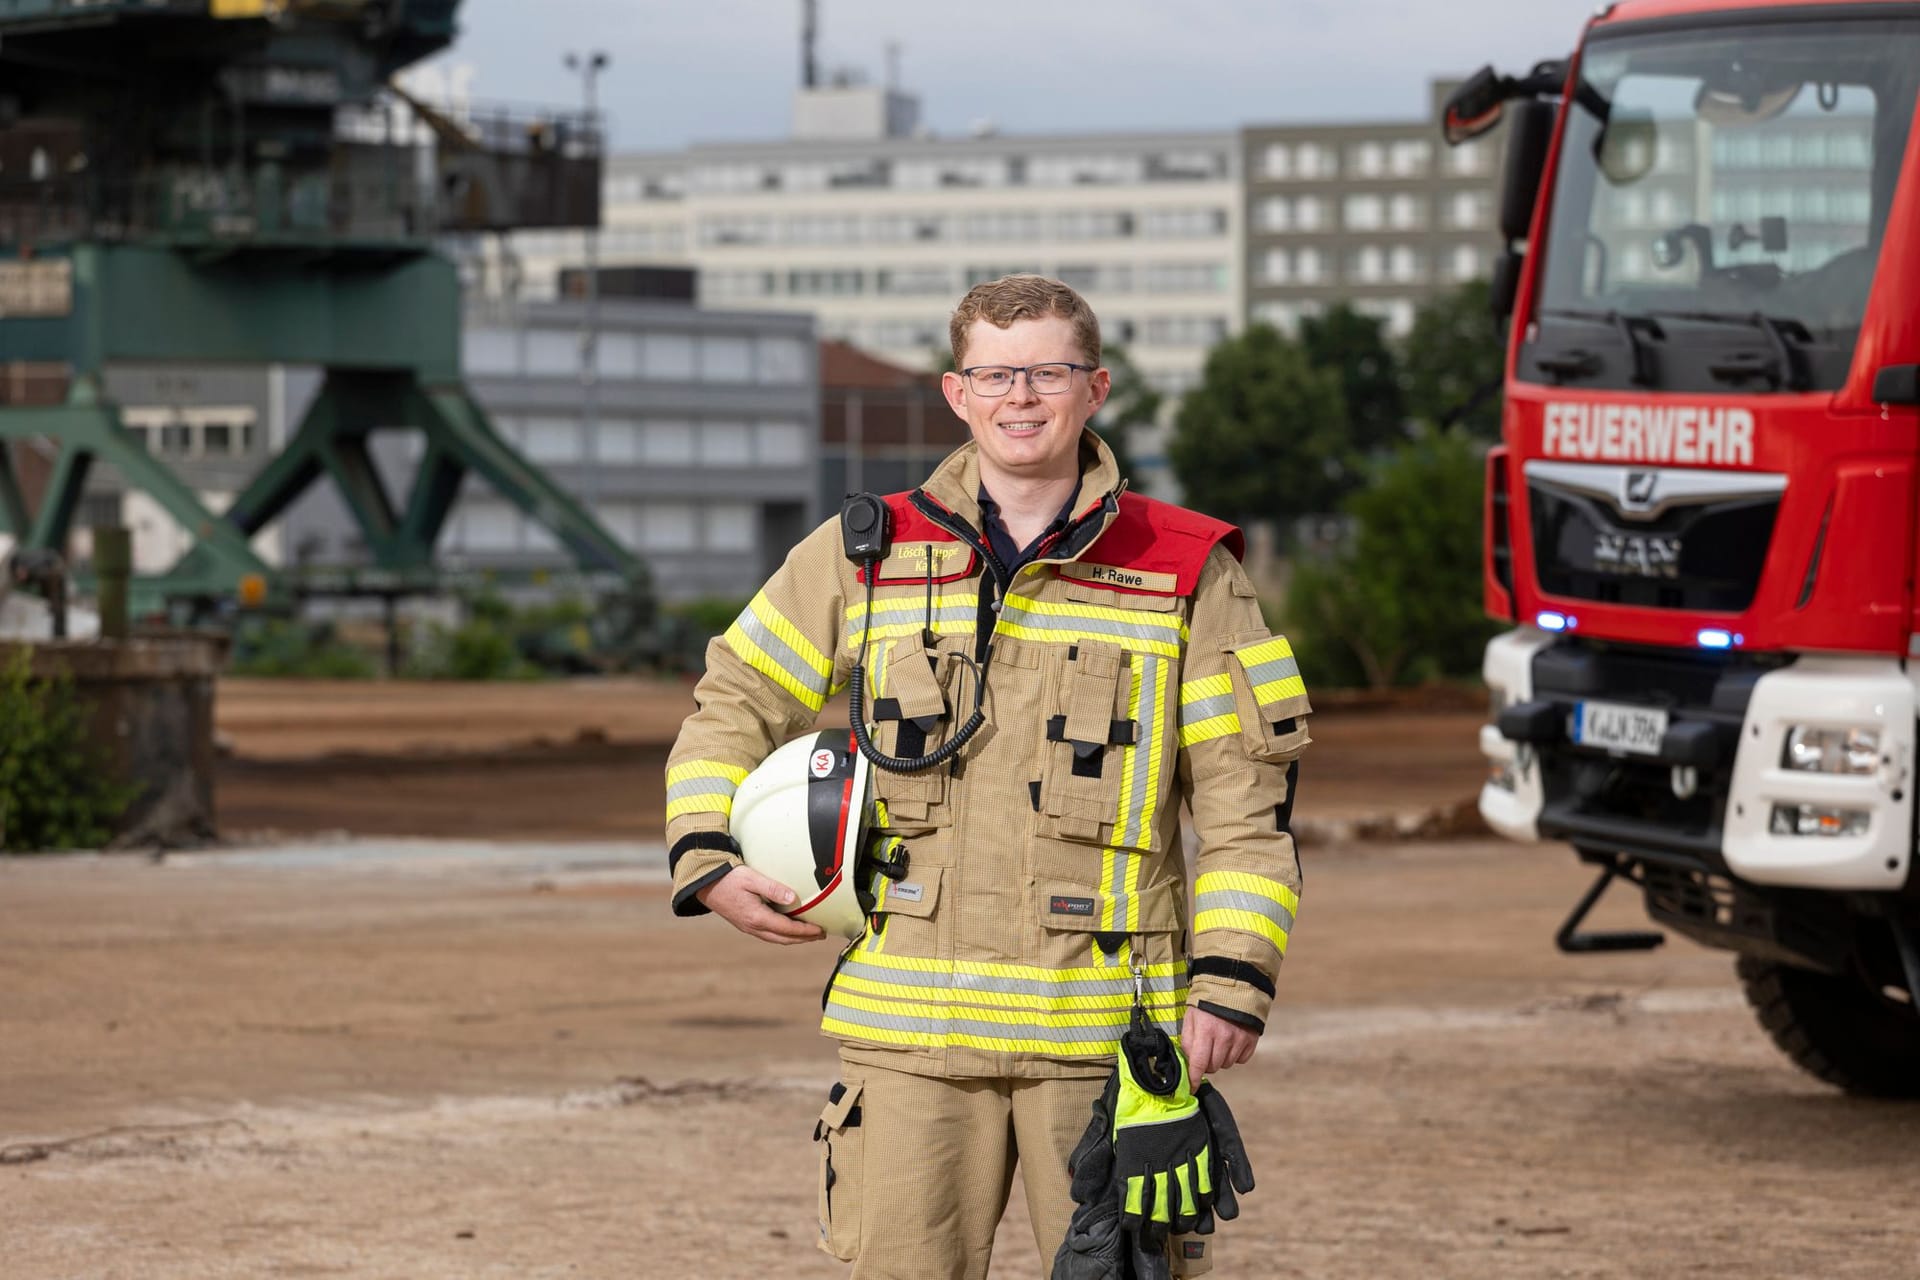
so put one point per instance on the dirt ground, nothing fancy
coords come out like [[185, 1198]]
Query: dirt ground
[[586, 759], [383, 1058], [231, 1067]]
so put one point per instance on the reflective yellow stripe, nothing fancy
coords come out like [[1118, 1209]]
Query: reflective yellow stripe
[[923, 997], [707, 769], [1274, 690], [1021, 972], [1248, 882], [1207, 730], [1205, 687], [1265, 651], [1244, 921]]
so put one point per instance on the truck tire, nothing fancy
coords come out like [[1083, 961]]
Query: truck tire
[[1835, 1029]]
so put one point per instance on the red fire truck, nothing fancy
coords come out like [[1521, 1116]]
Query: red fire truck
[[1701, 518]]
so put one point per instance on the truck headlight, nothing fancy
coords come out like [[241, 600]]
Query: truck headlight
[[1816, 750], [1815, 820]]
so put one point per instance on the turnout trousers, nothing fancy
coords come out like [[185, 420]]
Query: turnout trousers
[[915, 1170]]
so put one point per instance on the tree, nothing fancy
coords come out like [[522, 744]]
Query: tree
[[1456, 351], [1401, 601], [1133, 402], [1356, 346], [1264, 434]]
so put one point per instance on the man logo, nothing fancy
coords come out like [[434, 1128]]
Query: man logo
[[1638, 489]]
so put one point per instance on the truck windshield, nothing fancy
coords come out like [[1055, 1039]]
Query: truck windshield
[[1708, 179]]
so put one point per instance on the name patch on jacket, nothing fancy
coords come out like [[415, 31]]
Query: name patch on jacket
[[1061, 906], [1107, 575], [909, 560]]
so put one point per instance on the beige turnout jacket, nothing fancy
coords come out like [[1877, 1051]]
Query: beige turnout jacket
[[1130, 673]]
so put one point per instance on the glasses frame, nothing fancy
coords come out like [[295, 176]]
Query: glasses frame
[[967, 373]]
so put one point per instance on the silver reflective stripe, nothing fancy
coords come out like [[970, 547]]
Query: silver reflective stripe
[[1235, 900], [701, 787], [1011, 610], [1146, 741], [1199, 709], [963, 982], [778, 650], [1267, 672], [1102, 1034], [947, 610]]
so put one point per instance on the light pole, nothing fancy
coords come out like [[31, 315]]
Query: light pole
[[590, 65]]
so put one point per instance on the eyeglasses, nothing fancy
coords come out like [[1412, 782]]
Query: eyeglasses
[[1047, 379]]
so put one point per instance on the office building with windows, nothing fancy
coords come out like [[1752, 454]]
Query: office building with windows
[[1377, 215]]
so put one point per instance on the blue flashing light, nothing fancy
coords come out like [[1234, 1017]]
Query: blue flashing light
[[1554, 622], [1715, 638]]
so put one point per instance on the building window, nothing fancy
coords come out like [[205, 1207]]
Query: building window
[[227, 434], [1406, 212], [553, 352], [1405, 264], [617, 442], [781, 444], [1186, 331], [667, 357], [1274, 213], [726, 444], [1276, 160], [1409, 158], [1468, 210], [551, 439], [484, 351], [1175, 224], [1363, 213], [668, 526], [1093, 224], [1185, 277], [667, 442], [1369, 265], [1309, 267], [825, 284], [1309, 213], [622, 520], [730, 526], [489, 526], [1085, 170], [1369, 159], [1276, 267], [726, 359], [782, 360], [1311, 160], [616, 355], [1467, 158], [1465, 263]]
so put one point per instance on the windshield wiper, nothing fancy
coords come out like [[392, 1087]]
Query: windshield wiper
[[1786, 339], [1577, 361]]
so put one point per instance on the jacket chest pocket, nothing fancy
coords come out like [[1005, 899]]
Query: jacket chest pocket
[[911, 712], [1103, 728]]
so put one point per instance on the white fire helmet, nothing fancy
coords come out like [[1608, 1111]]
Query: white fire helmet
[[801, 818]]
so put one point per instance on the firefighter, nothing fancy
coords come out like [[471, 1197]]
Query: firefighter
[[1116, 656]]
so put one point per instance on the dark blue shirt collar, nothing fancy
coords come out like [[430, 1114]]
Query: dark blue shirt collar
[[1002, 542]]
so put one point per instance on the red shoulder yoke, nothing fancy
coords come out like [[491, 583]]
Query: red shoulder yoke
[[1151, 536]]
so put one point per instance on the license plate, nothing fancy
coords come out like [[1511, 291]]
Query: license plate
[[1616, 727]]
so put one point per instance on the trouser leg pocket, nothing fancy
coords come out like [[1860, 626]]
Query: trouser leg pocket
[[840, 1137]]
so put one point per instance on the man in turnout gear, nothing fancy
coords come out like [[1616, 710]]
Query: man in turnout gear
[[1037, 876]]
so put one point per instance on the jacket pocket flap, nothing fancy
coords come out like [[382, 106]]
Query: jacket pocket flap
[[1078, 908], [842, 1104], [912, 690], [913, 896]]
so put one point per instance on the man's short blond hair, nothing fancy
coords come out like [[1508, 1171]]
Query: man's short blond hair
[[1023, 297]]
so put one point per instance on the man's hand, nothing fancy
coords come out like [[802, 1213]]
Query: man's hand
[[1213, 1044], [740, 898]]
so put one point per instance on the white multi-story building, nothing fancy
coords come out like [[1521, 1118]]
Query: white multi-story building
[[877, 229]]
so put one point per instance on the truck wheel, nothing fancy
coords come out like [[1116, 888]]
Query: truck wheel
[[1836, 1029]]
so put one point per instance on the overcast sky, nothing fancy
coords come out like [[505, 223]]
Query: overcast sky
[[724, 70]]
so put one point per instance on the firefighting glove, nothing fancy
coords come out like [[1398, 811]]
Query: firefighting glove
[[1095, 1247], [1163, 1158], [1231, 1171]]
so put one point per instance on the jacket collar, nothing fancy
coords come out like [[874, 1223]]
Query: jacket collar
[[955, 485]]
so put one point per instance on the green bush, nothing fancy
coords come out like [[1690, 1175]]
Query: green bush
[[56, 791], [283, 647], [1400, 602]]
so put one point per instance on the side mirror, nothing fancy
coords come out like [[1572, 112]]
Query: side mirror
[[1527, 144], [1473, 108], [1504, 287]]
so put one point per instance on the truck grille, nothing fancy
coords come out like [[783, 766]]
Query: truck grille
[[1694, 555]]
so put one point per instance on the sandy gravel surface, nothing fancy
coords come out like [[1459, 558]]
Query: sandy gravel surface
[[585, 759], [449, 1065]]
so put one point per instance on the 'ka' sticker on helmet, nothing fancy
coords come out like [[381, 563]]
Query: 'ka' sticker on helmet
[[822, 764]]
